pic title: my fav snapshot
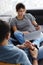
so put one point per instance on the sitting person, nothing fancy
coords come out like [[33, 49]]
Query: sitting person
[[10, 53], [23, 24]]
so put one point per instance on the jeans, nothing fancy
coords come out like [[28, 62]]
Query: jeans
[[40, 54], [38, 41], [20, 38]]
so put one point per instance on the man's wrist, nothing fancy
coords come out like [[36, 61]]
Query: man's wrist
[[36, 25], [34, 58]]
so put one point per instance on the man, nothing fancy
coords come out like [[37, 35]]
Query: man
[[23, 24], [11, 54]]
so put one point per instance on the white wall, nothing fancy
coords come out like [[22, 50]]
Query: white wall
[[8, 6]]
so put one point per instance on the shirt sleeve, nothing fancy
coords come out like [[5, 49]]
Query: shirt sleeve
[[31, 17], [13, 22]]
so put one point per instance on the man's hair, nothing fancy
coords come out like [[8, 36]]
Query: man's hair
[[19, 6], [4, 29]]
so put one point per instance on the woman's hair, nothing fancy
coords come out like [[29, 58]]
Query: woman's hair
[[19, 6], [4, 29]]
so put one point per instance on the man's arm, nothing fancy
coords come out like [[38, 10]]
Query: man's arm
[[21, 46], [34, 54], [35, 62], [33, 20], [27, 44], [14, 28], [38, 27]]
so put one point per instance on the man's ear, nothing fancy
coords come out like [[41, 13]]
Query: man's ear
[[8, 36]]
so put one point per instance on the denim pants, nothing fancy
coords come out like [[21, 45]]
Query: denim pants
[[19, 36]]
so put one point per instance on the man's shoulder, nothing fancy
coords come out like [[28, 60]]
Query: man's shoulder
[[12, 19], [28, 14]]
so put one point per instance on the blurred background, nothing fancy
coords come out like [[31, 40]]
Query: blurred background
[[35, 7], [8, 6]]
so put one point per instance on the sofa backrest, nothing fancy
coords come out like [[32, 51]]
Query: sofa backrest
[[38, 15]]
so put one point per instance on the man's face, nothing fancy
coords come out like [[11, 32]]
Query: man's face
[[8, 36], [21, 12]]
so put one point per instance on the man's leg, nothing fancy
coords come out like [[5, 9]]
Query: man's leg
[[40, 55], [19, 36], [38, 41]]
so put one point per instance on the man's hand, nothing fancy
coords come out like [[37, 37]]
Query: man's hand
[[38, 27], [29, 45], [21, 46], [25, 32], [34, 53]]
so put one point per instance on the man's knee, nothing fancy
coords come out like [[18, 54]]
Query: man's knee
[[15, 33], [18, 33], [19, 36]]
